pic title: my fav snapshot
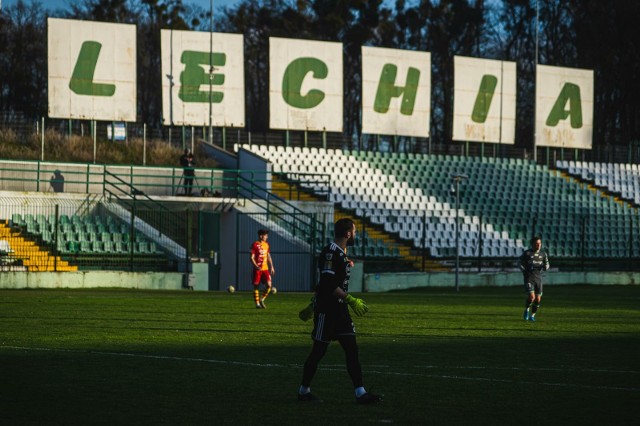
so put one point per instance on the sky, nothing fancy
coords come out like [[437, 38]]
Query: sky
[[63, 4], [217, 4]]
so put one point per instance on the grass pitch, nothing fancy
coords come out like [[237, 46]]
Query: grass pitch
[[138, 357]]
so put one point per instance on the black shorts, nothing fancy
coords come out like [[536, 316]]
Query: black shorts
[[533, 287], [328, 326]]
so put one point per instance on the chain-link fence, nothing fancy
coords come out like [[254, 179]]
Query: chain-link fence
[[90, 233], [184, 136]]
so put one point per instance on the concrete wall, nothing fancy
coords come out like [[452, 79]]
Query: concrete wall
[[92, 279], [227, 159], [256, 169], [372, 282], [228, 249], [401, 281]]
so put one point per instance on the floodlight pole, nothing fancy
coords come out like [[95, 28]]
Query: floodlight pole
[[535, 72], [456, 180], [210, 72]]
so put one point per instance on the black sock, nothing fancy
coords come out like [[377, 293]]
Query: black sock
[[535, 308]]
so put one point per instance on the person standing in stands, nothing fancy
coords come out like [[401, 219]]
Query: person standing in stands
[[263, 268], [533, 263], [188, 173]]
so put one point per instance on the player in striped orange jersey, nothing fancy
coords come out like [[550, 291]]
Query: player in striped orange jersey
[[262, 267]]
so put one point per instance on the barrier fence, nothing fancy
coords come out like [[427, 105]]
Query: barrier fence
[[184, 136], [92, 235]]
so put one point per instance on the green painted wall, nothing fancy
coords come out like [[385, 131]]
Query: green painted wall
[[92, 279], [372, 282], [401, 281]]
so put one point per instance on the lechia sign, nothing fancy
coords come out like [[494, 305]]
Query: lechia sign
[[484, 104], [92, 75], [92, 70]]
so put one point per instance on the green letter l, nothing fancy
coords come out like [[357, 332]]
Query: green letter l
[[82, 78]]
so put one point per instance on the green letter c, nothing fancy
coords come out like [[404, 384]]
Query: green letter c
[[295, 74]]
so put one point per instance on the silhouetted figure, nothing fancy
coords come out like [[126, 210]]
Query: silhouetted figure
[[57, 181], [187, 162]]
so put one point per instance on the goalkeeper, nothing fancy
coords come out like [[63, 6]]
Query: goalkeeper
[[331, 318], [533, 263]]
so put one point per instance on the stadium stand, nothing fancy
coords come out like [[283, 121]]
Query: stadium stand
[[81, 240], [502, 204], [621, 179]]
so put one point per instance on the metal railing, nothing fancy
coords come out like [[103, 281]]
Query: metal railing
[[298, 223], [127, 197]]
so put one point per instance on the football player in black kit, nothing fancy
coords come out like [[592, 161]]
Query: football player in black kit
[[533, 263], [331, 318]]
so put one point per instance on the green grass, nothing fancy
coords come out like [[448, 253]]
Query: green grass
[[137, 357]]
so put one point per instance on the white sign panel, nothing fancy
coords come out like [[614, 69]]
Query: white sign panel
[[305, 85], [484, 104], [188, 85], [396, 92], [564, 107], [92, 70]]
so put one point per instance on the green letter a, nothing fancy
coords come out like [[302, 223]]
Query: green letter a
[[570, 93], [483, 100], [387, 90], [82, 79]]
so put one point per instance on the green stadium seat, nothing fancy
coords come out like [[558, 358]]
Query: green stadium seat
[[32, 228], [46, 236], [73, 247], [153, 248], [41, 219], [17, 219], [108, 247]]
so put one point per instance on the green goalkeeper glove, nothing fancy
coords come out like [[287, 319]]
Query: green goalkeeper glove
[[357, 305], [307, 313]]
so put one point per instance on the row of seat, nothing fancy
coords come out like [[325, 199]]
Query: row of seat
[[89, 234], [623, 179], [511, 193], [107, 247], [346, 192]]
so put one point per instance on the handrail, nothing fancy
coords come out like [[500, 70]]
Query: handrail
[[290, 211], [82, 177], [125, 183], [136, 197]]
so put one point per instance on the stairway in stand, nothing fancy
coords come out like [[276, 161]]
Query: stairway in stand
[[295, 193]]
